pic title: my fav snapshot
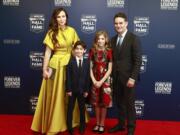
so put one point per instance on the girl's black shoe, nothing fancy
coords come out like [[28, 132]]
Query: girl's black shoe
[[96, 128], [101, 129]]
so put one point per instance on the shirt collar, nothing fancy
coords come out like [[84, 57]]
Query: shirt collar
[[77, 58], [123, 35]]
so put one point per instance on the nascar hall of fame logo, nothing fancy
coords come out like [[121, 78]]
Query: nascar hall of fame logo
[[141, 25], [169, 4], [36, 60], [65, 3], [163, 87], [88, 23], [143, 64], [12, 82], [36, 23], [115, 3], [33, 100], [139, 106], [11, 2]]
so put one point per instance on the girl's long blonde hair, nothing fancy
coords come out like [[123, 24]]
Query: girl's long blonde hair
[[99, 33]]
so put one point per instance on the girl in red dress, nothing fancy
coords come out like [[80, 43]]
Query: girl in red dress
[[100, 70]]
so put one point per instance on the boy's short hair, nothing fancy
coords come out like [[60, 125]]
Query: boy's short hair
[[81, 43]]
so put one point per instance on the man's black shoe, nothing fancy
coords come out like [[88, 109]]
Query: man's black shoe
[[116, 129], [130, 131]]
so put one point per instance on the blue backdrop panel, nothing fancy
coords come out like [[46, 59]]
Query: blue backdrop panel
[[161, 47], [24, 25]]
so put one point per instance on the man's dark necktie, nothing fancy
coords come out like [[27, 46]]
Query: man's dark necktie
[[119, 41]]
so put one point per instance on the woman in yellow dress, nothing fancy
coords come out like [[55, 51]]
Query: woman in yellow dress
[[50, 114]]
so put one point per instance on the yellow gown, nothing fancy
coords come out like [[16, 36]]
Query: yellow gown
[[51, 110]]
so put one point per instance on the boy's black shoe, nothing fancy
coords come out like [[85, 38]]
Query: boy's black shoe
[[70, 131], [81, 130], [116, 129]]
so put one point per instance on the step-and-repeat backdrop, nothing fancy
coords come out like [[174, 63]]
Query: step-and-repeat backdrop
[[157, 22]]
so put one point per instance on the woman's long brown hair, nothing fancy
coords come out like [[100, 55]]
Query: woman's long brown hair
[[53, 25]]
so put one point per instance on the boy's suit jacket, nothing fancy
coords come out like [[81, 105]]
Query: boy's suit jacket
[[75, 81]]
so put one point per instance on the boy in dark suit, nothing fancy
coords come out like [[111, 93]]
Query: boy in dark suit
[[77, 84]]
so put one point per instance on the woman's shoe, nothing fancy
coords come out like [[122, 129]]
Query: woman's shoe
[[96, 128], [101, 129]]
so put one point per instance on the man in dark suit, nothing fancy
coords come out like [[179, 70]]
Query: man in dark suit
[[126, 67], [77, 84]]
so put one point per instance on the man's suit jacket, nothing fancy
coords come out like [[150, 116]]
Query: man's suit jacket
[[127, 57], [75, 81]]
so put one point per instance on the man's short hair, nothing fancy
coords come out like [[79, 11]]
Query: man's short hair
[[122, 15]]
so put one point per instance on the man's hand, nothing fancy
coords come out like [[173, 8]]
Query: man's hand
[[130, 83]]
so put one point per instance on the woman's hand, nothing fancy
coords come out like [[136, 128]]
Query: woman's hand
[[47, 73]]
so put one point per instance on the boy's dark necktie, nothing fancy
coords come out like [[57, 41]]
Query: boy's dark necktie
[[80, 65]]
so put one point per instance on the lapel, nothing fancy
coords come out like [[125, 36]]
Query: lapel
[[83, 63], [114, 42], [125, 40], [75, 64]]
